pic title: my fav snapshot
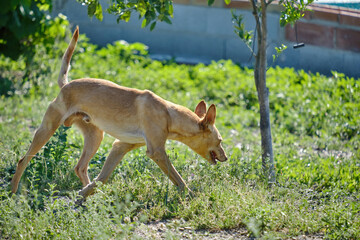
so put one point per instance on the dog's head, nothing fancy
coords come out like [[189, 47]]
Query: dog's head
[[208, 142]]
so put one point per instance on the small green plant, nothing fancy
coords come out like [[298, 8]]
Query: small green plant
[[316, 133], [53, 163]]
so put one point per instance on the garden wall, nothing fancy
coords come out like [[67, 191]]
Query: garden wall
[[200, 34]]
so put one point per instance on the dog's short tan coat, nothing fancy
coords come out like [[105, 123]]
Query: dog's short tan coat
[[134, 117]]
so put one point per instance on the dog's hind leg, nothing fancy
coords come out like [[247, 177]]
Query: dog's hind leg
[[50, 123], [116, 155], [92, 139]]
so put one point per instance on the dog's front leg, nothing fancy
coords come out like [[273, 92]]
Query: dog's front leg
[[161, 159], [117, 153]]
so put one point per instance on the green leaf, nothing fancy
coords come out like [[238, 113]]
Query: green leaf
[[167, 20], [142, 8], [14, 3], [152, 26], [143, 24], [210, 2], [98, 12], [171, 10], [280, 49], [227, 2], [91, 9], [125, 16], [4, 19], [25, 3]]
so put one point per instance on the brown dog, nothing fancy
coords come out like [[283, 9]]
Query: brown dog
[[134, 117]]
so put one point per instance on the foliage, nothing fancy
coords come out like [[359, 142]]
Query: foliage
[[150, 11], [259, 11], [60, 218], [316, 133], [240, 30], [293, 10], [25, 24], [26, 29]]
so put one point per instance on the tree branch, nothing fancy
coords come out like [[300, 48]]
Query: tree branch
[[269, 2], [259, 37]]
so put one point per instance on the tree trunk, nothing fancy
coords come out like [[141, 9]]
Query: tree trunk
[[263, 94]]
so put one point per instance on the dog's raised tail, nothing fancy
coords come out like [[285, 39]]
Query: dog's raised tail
[[63, 75]]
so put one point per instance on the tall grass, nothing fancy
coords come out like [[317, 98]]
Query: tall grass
[[316, 143]]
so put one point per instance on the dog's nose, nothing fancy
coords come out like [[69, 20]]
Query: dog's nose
[[224, 158]]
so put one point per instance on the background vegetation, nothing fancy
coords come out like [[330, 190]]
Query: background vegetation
[[316, 127]]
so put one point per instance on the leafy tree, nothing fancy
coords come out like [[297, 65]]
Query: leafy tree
[[293, 11], [25, 27], [24, 24], [151, 11], [161, 10]]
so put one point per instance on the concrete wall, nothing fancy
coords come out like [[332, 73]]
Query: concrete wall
[[201, 34]]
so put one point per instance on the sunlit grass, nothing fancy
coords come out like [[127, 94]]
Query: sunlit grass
[[315, 127]]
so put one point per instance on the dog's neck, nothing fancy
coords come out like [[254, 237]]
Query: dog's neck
[[184, 124]]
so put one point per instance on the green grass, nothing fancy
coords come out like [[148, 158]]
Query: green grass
[[315, 125]]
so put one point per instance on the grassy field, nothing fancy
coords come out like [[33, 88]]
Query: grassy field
[[315, 125]]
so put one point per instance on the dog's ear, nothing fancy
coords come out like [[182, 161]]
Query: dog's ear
[[200, 109], [210, 116]]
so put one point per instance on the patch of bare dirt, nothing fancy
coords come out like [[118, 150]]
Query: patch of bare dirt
[[177, 229]]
